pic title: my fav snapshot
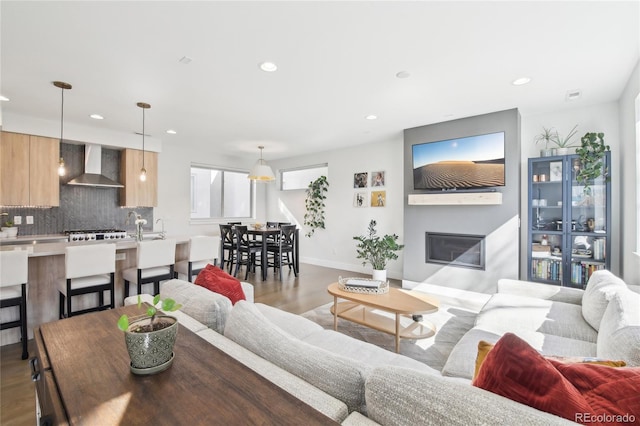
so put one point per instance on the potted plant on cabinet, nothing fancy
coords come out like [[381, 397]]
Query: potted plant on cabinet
[[564, 143], [591, 153], [377, 251], [150, 338], [547, 136]]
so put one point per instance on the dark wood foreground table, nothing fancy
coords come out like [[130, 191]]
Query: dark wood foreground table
[[87, 359]]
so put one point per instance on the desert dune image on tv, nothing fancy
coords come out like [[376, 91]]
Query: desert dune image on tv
[[463, 163]]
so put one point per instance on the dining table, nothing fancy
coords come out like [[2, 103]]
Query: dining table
[[264, 233]]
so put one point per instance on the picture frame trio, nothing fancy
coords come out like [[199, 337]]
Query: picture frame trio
[[364, 198]]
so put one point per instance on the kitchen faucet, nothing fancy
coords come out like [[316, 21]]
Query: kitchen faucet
[[162, 233]]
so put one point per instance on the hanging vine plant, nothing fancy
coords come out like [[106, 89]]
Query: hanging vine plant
[[591, 153], [314, 203]]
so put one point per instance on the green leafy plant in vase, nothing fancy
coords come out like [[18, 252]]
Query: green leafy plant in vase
[[150, 338], [564, 143], [377, 250], [591, 154], [547, 136]]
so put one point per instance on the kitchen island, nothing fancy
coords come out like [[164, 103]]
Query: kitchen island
[[46, 267]]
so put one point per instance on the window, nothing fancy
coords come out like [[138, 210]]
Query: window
[[219, 193], [300, 177]]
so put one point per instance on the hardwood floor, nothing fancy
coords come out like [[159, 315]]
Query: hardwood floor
[[296, 295]]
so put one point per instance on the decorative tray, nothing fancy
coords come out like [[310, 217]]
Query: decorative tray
[[363, 285]]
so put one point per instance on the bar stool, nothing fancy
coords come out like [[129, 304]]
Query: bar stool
[[155, 263], [14, 272], [88, 269], [202, 250]]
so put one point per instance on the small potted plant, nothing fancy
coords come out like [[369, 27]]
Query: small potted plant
[[8, 228], [150, 338], [377, 251], [564, 143], [547, 136]]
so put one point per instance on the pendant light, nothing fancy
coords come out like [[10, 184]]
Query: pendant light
[[261, 170], [143, 171], [62, 85]]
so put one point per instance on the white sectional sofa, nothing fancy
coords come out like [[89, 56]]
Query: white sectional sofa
[[603, 321], [352, 382]]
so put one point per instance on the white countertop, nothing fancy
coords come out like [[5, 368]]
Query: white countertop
[[36, 249]]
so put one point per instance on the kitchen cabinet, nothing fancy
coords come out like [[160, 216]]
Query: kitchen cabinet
[[569, 226], [29, 170], [137, 193]]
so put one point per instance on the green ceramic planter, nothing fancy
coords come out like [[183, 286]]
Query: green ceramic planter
[[151, 352]]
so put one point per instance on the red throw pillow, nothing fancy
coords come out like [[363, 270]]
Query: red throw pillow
[[584, 393], [218, 281]]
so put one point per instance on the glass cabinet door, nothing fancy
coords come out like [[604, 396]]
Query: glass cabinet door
[[588, 239], [546, 195]]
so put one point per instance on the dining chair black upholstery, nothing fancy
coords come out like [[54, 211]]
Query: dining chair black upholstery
[[248, 251], [283, 252], [228, 253]]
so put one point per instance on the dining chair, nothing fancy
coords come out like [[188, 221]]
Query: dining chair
[[202, 250], [247, 251], [88, 269], [284, 251], [228, 253], [155, 262], [14, 273]]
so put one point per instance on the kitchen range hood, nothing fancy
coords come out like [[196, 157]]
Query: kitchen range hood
[[93, 170]]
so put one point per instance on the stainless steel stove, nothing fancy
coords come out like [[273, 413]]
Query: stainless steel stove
[[96, 234]]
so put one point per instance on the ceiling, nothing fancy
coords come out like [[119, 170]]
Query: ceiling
[[337, 63]]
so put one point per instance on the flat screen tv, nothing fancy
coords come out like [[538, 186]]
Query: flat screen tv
[[467, 163]]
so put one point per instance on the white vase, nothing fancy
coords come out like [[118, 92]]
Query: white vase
[[10, 231], [380, 275]]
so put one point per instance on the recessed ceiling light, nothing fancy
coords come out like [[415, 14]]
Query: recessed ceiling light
[[96, 117], [371, 117], [520, 81], [268, 66], [171, 132], [572, 95], [185, 60], [3, 98], [403, 74]]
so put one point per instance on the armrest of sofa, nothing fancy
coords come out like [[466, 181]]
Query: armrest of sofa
[[247, 288], [541, 291]]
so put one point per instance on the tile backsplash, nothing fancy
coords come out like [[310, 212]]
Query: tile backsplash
[[81, 207]]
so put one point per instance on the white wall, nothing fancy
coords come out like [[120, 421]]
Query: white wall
[[334, 246], [597, 118], [629, 109]]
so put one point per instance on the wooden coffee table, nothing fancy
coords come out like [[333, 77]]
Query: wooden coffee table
[[83, 374], [360, 308]]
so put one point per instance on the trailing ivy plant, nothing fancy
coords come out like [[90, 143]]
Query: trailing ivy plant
[[314, 204], [591, 153]]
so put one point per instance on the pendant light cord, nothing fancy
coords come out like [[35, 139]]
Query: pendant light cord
[[62, 115], [143, 138]]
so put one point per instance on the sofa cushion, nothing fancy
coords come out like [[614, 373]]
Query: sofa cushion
[[619, 336], [510, 313], [462, 360], [207, 307], [517, 371], [600, 288], [293, 324], [485, 347], [367, 353], [340, 377], [401, 396], [218, 281]]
